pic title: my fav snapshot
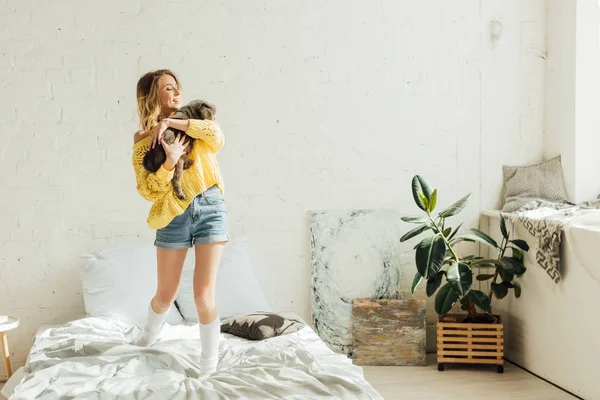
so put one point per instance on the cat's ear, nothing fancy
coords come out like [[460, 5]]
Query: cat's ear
[[213, 109], [208, 111]]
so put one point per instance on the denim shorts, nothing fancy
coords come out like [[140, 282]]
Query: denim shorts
[[204, 221]]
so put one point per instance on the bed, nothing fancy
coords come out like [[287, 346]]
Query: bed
[[94, 357]]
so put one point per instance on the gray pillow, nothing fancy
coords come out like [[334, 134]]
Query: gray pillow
[[259, 326], [523, 184]]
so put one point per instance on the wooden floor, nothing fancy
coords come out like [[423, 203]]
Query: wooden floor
[[457, 382], [462, 382]]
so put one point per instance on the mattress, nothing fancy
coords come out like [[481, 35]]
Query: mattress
[[94, 358]]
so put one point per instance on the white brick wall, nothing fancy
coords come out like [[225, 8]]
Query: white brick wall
[[324, 105]]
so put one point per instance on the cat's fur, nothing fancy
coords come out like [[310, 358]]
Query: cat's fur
[[154, 158]]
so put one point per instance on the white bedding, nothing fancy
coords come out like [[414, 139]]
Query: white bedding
[[92, 358]]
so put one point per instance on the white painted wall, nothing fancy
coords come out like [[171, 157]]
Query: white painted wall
[[573, 84], [324, 105], [560, 88], [587, 141]]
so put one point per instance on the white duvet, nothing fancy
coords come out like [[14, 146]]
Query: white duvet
[[93, 358]]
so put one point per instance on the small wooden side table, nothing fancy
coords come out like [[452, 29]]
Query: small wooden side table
[[5, 326]]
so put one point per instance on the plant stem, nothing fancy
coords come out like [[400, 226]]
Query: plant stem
[[437, 229], [468, 303], [471, 308], [503, 245]]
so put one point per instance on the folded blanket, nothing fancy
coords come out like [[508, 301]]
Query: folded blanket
[[545, 221]]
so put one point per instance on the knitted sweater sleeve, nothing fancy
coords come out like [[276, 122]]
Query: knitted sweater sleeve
[[150, 185], [208, 131]]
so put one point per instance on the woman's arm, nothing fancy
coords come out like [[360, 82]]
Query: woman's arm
[[153, 186], [179, 124], [204, 129]]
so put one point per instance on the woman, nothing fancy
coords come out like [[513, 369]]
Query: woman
[[200, 221]]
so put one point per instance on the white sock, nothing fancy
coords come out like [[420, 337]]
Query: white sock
[[153, 326], [209, 341]]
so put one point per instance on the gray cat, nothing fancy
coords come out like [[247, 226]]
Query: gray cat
[[154, 158]]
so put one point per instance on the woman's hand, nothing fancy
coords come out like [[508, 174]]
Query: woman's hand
[[158, 131], [174, 151]]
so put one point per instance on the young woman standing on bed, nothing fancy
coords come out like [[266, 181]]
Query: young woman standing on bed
[[200, 221]]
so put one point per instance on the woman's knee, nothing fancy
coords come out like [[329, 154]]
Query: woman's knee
[[164, 299], [205, 300]]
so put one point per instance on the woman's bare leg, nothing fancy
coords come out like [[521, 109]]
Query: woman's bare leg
[[208, 258], [169, 267]]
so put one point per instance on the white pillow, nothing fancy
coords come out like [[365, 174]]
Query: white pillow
[[119, 283], [237, 288]]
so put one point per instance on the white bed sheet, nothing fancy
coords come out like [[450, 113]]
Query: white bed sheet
[[92, 358], [15, 378]]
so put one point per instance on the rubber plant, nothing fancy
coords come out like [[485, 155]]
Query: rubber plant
[[440, 266]]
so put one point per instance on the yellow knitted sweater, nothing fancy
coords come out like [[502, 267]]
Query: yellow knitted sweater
[[157, 187]]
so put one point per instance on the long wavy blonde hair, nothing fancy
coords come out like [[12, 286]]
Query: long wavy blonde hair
[[148, 101]]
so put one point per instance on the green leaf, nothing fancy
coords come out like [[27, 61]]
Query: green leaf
[[513, 266], [486, 262], [517, 254], [470, 238], [412, 233], [454, 233], [520, 244], [499, 290], [484, 277], [425, 188], [481, 237], [445, 299], [433, 201], [456, 207], [503, 226], [481, 300], [416, 282], [429, 256], [434, 283], [505, 275], [420, 186], [414, 219], [447, 232], [517, 288], [460, 277], [459, 239], [424, 200], [484, 236]]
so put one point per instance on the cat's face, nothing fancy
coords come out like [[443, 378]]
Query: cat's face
[[169, 94]]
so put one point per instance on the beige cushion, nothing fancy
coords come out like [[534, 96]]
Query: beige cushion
[[523, 184]]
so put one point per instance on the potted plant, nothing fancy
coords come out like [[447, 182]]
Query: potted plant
[[474, 337]]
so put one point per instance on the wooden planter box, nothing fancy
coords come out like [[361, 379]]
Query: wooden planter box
[[469, 343]]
